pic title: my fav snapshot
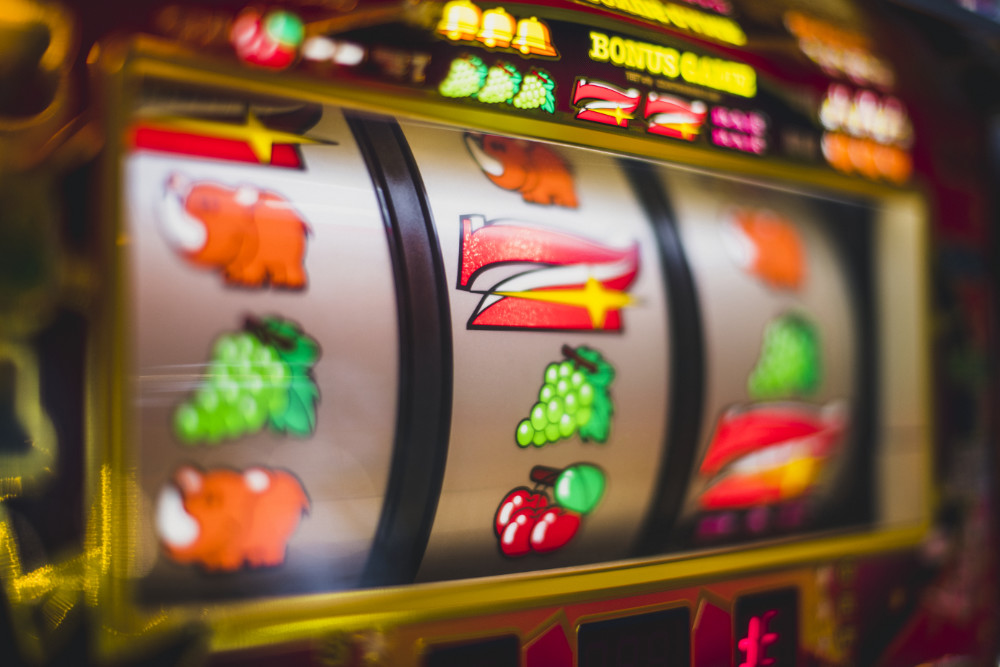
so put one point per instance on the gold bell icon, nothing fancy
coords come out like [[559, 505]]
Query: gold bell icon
[[533, 37], [498, 28], [460, 20]]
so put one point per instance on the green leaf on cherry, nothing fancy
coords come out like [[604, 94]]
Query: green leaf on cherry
[[580, 487]]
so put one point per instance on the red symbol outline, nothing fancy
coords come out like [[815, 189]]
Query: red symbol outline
[[789, 443]]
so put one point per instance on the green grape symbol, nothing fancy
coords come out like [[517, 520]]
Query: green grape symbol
[[536, 92], [789, 362], [260, 377], [574, 397], [502, 82], [465, 77]]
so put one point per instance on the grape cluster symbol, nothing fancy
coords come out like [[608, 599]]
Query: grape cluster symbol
[[502, 81], [468, 76], [259, 377], [574, 397], [789, 363]]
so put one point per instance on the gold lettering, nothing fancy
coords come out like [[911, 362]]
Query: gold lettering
[[719, 28], [654, 58], [715, 73], [676, 14], [598, 47], [655, 11], [747, 78], [634, 57], [696, 22], [618, 51], [634, 7], [689, 67], [670, 64]]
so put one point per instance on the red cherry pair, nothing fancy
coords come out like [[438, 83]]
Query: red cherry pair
[[526, 522]]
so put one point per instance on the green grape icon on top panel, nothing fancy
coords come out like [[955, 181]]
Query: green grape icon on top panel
[[789, 363], [574, 396], [465, 77], [536, 92], [502, 83], [259, 377]]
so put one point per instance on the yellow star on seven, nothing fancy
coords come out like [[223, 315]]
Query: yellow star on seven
[[258, 136], [617, 113], [594, 297], [687, 130]]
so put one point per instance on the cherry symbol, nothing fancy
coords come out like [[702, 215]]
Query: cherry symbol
[[554, 528], [519, 498], [516, 535]]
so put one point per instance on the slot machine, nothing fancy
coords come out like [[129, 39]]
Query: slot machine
[[571, 333]]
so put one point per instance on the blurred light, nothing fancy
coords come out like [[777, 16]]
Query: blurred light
[[269, 41]]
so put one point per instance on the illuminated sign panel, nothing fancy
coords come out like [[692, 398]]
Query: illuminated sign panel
[[715, 73], [867, 133], [718, 28], [838, 51]]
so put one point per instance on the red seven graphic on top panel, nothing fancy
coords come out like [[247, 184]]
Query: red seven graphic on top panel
[[571, 283]]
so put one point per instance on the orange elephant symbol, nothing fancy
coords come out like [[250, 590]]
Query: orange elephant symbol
[[253, 237], [531, 168], [224, 518], [767, 246]]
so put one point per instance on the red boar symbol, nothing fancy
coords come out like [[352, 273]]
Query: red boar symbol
[[533, 169], [223, 518], [252, 236]]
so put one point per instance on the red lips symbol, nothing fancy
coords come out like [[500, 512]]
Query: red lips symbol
[[769, 453]]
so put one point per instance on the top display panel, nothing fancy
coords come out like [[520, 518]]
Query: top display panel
[[638, 360], [808, 86]]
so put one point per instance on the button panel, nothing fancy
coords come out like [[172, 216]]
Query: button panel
[[494, 652], [654, 639]]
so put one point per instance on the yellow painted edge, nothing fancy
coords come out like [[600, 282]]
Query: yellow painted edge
[[294, 619]]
